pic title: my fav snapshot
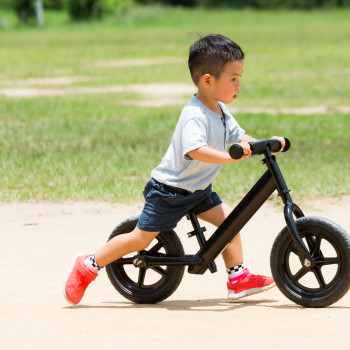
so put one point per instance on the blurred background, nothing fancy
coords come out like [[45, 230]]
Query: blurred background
[[96, 9], [91, 90]]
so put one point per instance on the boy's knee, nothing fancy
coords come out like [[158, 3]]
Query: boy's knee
[[140, 244], [140, 240]]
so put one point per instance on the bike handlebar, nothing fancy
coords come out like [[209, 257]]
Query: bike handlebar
[[259, 147]]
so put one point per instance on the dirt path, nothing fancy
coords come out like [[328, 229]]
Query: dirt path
[[152, 95], [39, 240]]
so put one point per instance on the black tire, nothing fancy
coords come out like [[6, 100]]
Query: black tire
[[146, 285], [326, 282]]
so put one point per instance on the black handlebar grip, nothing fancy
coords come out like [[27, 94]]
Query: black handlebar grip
[[258, 147], [236, 151], [287, 145]]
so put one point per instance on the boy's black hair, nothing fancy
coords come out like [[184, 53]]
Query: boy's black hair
[[209, 55]]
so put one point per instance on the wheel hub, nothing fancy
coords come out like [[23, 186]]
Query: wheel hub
[[307, 263]]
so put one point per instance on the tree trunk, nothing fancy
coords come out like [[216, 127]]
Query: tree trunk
[[39, 12]]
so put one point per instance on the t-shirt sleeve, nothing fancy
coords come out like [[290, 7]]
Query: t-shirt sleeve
[[194, 135], [235, 132]]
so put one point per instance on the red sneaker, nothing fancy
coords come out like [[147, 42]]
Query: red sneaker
[[249, 284], [78, 278]]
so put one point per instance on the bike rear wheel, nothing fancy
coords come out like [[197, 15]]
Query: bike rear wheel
[[151, 284], [329, 279]]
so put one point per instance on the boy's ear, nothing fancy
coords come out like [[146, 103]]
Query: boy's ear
[[207, 80]]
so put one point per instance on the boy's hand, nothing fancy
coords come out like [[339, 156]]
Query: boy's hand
[[246, 149], [282, 140]]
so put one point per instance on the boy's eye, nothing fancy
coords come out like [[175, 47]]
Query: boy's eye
[[233, 79]]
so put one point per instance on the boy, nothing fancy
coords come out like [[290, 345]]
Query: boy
[[183, 179]]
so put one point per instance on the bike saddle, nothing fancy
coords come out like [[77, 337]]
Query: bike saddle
[[200, 206]]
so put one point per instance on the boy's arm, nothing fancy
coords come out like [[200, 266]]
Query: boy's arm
[[247, 138], [208, 154]]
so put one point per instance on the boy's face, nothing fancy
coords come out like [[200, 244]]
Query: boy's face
[[226, 87]]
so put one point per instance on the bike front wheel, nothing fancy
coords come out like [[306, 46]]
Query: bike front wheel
[[151, 284], [328, 280]]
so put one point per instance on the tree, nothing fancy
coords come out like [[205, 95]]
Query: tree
[[27, 9]]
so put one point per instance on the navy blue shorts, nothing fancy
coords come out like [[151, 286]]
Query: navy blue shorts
[[165, 205]]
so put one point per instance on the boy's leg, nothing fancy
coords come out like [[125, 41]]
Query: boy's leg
[[241, 283], [82, 273], [233, 253], [124, 244]]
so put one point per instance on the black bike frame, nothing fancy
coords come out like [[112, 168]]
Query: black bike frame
[[270, 181]]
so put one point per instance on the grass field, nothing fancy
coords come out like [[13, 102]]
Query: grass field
[[96, 147], [293, 58]]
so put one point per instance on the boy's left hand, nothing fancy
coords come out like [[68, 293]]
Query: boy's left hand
[[282, 140]]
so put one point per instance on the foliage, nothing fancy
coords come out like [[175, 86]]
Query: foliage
[[116, 6], [4, 4], [94, 9], [260, 4], [24, 9], [53, 4], [84, 9]]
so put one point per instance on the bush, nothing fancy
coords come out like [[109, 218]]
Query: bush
[[113, 6], [261, 4], [4, 4], [24, 9], [84, 9], [94, 9], [53, 4], [271, 4]]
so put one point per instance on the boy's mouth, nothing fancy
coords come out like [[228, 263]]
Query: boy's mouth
[[234, 97]]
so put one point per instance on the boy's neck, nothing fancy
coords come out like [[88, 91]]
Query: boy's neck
[[213, 105]]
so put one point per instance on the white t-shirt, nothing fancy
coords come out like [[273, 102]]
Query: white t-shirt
[[197, 126]]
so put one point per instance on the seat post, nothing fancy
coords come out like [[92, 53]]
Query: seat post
[[199, 233], [198, 230]]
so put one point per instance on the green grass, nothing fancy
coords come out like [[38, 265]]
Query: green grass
[[294, 58], [317, 164], [76, 148], [95, 147]]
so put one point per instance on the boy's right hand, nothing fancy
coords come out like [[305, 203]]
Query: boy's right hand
[[246, 149]]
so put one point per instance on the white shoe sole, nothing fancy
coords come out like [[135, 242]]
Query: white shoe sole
[[69, 272], [234, 296]]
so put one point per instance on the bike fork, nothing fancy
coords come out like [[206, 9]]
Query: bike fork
[[290, 209]]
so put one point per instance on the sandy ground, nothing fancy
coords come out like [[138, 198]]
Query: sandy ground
[[39, 240]]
